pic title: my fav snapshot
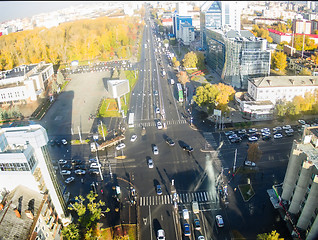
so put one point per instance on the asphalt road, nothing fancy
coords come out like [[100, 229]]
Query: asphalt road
[[195, 175]]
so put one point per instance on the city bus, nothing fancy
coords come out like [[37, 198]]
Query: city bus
[[180, 92], [131, 120]]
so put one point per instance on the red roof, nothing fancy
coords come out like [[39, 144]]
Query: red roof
[[167, 20], [290, 34]]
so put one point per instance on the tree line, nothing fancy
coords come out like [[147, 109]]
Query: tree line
[[102, 38]]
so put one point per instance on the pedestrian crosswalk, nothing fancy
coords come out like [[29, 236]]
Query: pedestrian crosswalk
[[181, 198], [210, 139], [153, 124]]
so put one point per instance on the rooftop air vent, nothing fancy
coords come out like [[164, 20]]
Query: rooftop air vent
[[292, 81], [269, 82]]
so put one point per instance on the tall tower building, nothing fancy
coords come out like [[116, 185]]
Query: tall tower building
[[219, 15], [25, 160]]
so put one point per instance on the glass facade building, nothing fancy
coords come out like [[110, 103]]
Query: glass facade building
[[236, 56]]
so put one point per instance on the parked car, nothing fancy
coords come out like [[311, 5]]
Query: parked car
[[69, 180], [120, 146], [201, 238], [303, 122], [133, 138], [278, 135], [93, 171], [249, 164], [80, 172], [76, 161], [157, 110], [197, 224], [277, 129], [150, 163], [161, 234], [265, 130], [62, 161], [95, 165], [286, 127], [252, 130], [229, 133], [65, 172], [236, 140], [67, 167], [241, 131], [252, 139], [289, 130], [219, 220], [155, 149], [92, 160], [232, 136], [266, 137], [81, 166], [170, 141], [159, 190], [64, 142], [289, 134]]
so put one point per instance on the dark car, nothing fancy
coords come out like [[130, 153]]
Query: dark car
[[236, 140], [187, 148], [58, 142], [266, 137], [289, 134], [52, 142], [82, 166], [170, 141], [93, 171], [67, 167], [76, 161]]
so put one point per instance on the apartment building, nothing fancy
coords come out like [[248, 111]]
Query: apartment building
[[187, 33], [25, 159], [300, 187], [275, 88], [27, 214], [237, 56], [25, 83]]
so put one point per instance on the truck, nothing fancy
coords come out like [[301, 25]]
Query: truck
[[195, 207]]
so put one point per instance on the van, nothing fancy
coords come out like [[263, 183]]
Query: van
[[171, 81], [195, 207], [185, 214], [93, 147]]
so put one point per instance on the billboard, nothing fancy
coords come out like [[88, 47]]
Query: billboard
[[118, 88]]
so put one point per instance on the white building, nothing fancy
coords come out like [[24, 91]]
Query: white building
[[276, 88], [25, 82], [25, 159], [27, 214], [187, 33]]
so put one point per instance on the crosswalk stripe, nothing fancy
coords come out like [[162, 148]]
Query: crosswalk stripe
[[192, 194], [196, 197], [204, 197], [187, 198], [201, 194]]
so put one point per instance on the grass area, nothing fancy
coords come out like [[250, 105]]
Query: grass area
[[247, 191], [103, 112], [125, 231], [195, 78]]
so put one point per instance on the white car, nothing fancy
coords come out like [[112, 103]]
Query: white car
[[155, 150], [159, 125], [265, 130], [150, 163], [252, 130], [64, 142], [80, 172], [161, 234], [157, 110], [62, 161], [120, 146], [249, 163], [200, 238], [278, 135], [133, 138], [289, 130], [252, 139], [69, 180], [95, 165], [277, 129], [286, 127], [232, 136], [219, 221], [302, 121], [65, 172]]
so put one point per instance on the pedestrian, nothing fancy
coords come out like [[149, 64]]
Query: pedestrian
[[102, 191]]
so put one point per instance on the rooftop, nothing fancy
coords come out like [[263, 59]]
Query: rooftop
[[24, 200], [285, 81]]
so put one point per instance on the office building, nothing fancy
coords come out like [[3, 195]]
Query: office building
[[237, 56], [219, 15], [187, 33], [300, 187], [25, 83], [27, 214], [25, 159], [177, 21]]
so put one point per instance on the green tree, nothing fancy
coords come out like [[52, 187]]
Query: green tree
[[88, 214], [71, 232], [190, 60], [254, 153], [200, 57], [280, 61], [269, 236]]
